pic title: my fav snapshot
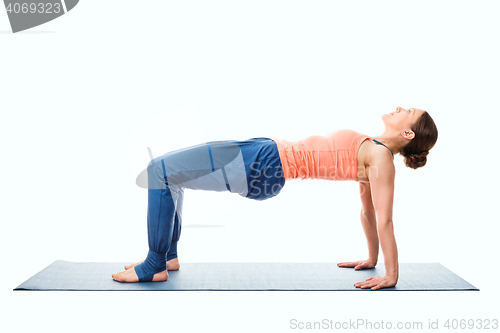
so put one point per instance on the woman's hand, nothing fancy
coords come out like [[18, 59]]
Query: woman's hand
[[377, 282], [360, 264]]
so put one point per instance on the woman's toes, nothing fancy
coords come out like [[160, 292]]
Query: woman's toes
[[124, 276], [127, 267]]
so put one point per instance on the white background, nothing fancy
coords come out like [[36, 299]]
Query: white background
[[82, 97]]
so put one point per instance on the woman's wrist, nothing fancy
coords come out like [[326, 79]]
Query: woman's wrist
[[392, 273], [394, 277]]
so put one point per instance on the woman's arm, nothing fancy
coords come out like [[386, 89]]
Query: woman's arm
[[382, 191], [369, 221], [382, 175]]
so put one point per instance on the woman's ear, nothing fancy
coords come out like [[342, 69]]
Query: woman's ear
[[408, 134]]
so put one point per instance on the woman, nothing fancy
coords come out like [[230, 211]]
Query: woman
[[258, 168]]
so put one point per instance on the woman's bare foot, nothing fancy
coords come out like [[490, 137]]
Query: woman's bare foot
[[127, 267], [131, 276], [172, 265]]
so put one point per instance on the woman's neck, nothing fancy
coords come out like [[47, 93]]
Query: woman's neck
[[389, 141]]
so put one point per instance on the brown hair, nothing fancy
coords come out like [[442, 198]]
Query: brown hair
[[426, 134]]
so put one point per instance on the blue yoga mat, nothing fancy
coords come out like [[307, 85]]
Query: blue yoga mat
[[66, 275]]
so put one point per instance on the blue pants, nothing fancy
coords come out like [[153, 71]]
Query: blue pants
[[250, 168]]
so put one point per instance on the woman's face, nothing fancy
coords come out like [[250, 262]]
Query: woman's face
[[402, 119]]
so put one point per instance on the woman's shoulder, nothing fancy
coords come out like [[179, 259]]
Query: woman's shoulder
[[376, 154]]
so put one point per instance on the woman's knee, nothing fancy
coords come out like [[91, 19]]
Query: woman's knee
[[156, 174]]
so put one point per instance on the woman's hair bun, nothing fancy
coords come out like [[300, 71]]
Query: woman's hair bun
[[416, 160], [426, 134]]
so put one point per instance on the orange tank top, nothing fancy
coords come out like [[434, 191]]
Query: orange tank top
[[331, 157]]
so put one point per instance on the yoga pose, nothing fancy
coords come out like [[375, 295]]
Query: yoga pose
[[258, 168]]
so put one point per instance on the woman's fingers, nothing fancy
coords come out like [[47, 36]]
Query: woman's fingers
[[364, 265], [373, 281], [364, 283], [350, 263], [360, 264], [367, 285], [379, 284], [347, 264]]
